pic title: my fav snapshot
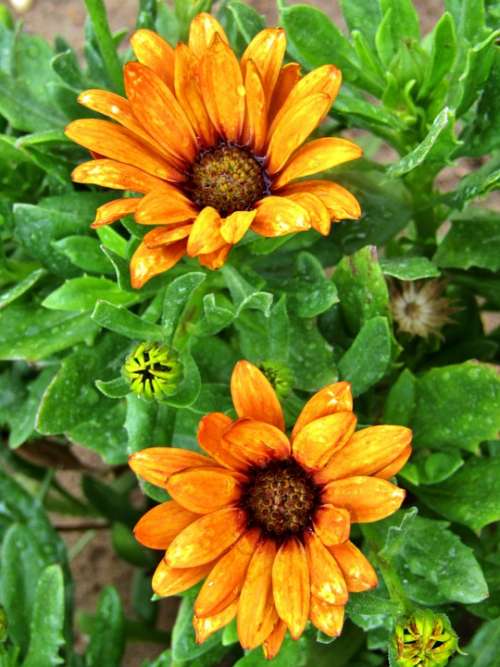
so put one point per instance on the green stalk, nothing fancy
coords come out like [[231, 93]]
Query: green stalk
[[98, 16]]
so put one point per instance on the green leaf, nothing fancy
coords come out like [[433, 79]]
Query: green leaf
[[20, 288], [85, 253], [47, 622], [473, 242], [363, 15], [104, 432], [244, 295], [405, 21], [125, 323], [81, 294], [434, 151], [481, 136], [476, 184], [117, 388], [368, 359], [457, 406], [371, 609], [400, 402], [247, 20], [107, 641], [311, 357], [442, 56], [469, 18], [184, 646], [432, 468], [409, 268], [483, 650], [23, 421], [175, 301], [265, 338], [127, 547], [470, 497], [310, 292], [361, 288]]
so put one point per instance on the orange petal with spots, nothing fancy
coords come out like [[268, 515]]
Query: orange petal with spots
[[253, 396], [256, 611], [319, 217], [287, 79], [189, 95], [256, 443], [366, 498], [156, 464], [204, 627], [318, 155], [116, 175], [169, 580], [236, 225], [316, 442], [202, 31], [332, 524], [205, 236], [340, 203], [165, 206], [158, 527], [210, 437], [396, 465], [224, 583], [272, 645], [255, 127], [166, 235], [279, 216], [118, 143], [266, 50], [207, 538], [328, 618], [358, 573], [214, 260], [115, 210], [367, 453], [327, 580], [291, 587], [205, 489], [157, 109], [221, 85], [154, 52], [329, 400], [149, 262]]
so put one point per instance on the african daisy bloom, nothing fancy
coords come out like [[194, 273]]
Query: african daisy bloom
[[265, 518], [214, 145]]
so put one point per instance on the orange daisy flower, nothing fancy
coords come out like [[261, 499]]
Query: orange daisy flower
[[265, 518], [214, 145]]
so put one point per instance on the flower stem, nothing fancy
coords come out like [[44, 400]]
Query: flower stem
[[98, 16]]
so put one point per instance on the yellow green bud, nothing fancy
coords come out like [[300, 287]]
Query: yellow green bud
[[424, 639], [279, 375], [153, 370]]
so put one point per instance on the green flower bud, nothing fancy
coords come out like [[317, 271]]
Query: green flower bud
[[279, 375], [3, 625], [153, 370], [424, 639]]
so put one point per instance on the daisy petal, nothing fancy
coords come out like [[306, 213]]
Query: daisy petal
[[255, 128], [205, 489], [115, 210], [204, 627], [236, 225], [210, 437], [274, 641], [201, 33], [293, 128], [256, 606], [317, 211], [158, 527], [253, 396], [165, 206], [291, 588], [256, 443], [151, 50], [205, 236], [156, 108], [287, 79], [279, 216], [149, 262], [327, 581], [214, 260], [156, 464], [394, 467], [266, 50], [328, 618], [224, 583], [332, 524], [221, 84], [340, 203], [316, 442], [329, 400], [358, 573], [166, 235], [318, 155], [367, 453], [207, 538], [189, 96], [168, 580], [366, 498], [116, 175]]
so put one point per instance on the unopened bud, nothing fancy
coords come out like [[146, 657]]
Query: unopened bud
[[279, 375], [153, 370], [424, 639]]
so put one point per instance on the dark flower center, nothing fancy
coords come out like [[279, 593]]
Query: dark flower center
[[280, 498], [228, 178]]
